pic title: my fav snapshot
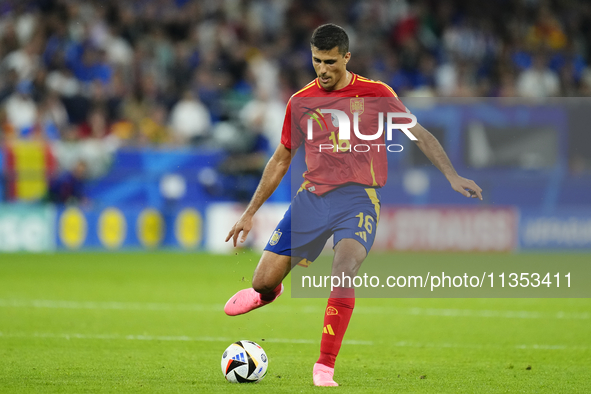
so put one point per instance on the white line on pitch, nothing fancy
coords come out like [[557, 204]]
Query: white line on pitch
[[414, 311], [183, 338], [180, 338], [140, 306]]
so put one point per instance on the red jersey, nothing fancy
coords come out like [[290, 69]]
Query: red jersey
[[333, 162]]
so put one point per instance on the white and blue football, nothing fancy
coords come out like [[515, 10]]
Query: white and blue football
[[244, 362]]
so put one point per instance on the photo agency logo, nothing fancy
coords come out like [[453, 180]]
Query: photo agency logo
[[340, 138]]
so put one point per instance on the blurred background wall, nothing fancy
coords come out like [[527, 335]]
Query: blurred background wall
[[145, 124]]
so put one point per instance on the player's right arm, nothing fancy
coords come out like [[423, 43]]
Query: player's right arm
[[434, 151], [274, 172]]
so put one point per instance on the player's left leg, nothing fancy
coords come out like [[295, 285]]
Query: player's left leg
[[349, 255], [355, 213]]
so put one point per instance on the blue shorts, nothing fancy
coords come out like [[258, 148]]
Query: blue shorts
[[347, 212]]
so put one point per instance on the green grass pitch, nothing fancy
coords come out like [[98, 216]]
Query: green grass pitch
[[153, 322]]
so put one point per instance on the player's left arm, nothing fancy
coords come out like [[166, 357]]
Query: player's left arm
[[434, 151]]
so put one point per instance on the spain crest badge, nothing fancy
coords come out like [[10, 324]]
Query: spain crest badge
[[275, 238], [357, 105]]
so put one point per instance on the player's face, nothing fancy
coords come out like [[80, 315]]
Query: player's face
[[330, 67]]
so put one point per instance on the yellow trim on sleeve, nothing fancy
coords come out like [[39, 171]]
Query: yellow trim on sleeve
[[308, 86], [389, 88], [363, 79]]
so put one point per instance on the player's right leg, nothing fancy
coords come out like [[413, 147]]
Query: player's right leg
[[307, 240], [266, 284], [274, 265]]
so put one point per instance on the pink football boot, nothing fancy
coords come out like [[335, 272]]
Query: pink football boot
[[245, 301], [322, 375]]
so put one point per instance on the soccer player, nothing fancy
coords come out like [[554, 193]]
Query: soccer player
[[338, 187]]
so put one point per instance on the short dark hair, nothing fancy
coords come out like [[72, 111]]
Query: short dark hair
[[328, 36]]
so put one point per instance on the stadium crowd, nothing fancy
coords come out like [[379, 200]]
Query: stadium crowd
[[152, 72]]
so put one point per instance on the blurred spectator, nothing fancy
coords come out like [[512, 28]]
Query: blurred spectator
[[68, 186], [209, 91], [153, 129], [265, 114], [53, 117], [38, 85], [456, 79], [135, 108], [446, 79], [25, 61], [118, 51], [97, 154], [21, 110], [63, 81], [265, 72], [92, 66], [547, 31], [190, 120], [539, 80], [238, 175], [8, 84], [469, 42], [586, 82], [96, 126], [25, 24], [507, 85]]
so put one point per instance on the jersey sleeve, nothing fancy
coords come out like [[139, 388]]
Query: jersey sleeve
[[395, 104], [291, 139]]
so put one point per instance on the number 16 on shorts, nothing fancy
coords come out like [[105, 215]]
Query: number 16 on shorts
[[366, 226]]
